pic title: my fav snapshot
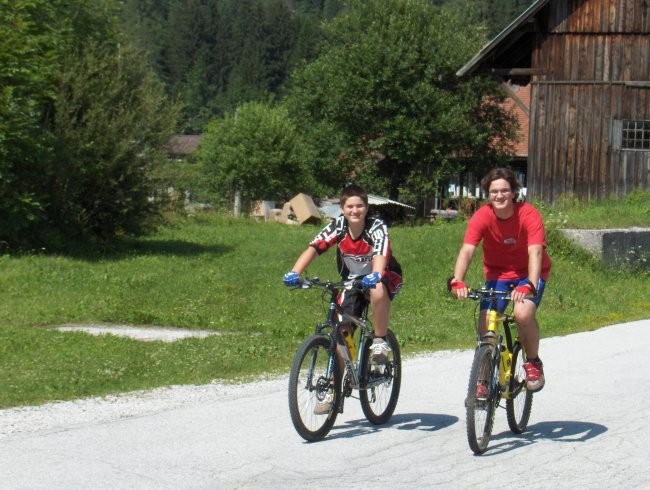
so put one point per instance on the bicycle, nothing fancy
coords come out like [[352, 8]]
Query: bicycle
[[316, 372], [498, 367]]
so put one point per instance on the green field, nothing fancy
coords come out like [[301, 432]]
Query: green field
[[225, 274]]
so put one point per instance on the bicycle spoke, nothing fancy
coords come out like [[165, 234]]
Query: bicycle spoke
[[309, 388], [480, 402], [382, 383], [519, 404]]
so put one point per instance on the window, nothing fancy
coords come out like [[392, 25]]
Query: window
[[629, 134], [636, 135]]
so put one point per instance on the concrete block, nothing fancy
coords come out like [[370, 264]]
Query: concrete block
[[616, 246]]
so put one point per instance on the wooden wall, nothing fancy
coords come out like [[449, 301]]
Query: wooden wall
[[592, 66]]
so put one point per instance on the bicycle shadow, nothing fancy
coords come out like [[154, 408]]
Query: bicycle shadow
[[557, 431], [427, 422]]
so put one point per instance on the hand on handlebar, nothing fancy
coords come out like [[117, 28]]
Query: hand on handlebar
[[524, 289], [457, 288], [371, 280], [291, 279]]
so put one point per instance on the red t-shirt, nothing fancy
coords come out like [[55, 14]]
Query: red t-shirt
[[505, 242]]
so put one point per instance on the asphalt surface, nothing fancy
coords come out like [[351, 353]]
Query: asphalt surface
[[590, 428]]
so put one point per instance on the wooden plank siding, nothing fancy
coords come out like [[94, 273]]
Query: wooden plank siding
[[591, 66]]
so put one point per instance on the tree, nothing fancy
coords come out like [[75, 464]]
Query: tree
[[495, 15], [80, 124], [35, 35], [112, 121], [219, 54], [258, 152], [25, 76], [143, 23], [386, 80]]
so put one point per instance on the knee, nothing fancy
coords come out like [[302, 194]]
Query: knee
[[379, 294], [525, 313]]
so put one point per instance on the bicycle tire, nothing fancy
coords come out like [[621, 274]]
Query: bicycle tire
[[378, 401], [520, 403], [308, 386], [479, 411]]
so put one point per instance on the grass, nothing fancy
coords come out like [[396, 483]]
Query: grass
[[569, 212], [215, 272]]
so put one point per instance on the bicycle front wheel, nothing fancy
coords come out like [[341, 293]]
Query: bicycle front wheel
[[520, 402], [482, 398], [309, 388], [381, 383]]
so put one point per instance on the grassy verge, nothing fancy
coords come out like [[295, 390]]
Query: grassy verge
[[214, 272]]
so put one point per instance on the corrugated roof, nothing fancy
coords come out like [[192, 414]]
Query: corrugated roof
[[183, 144], [380, 201]]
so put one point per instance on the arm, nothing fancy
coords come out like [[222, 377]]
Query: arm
[[535, 263], [379, 263], [378, 267], [534, 270], [305, 258], [462, 265]]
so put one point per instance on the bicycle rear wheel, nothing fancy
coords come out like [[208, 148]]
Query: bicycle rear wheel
[[308, 386], [520, 402], [480, 406], [381, 383]]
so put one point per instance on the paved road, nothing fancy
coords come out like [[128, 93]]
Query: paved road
[[590, 428]]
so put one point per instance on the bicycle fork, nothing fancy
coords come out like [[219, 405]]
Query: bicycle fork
[[502, 355]]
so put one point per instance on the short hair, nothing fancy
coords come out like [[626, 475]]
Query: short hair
[[501, 173], [353, 190]]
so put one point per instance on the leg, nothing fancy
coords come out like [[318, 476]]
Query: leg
[[528, 327], [380, 304], [529, 337]]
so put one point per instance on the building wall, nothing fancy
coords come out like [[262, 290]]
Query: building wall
[[591, 67]]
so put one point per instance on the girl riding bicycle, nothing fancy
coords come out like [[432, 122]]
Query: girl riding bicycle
[[363, 250]]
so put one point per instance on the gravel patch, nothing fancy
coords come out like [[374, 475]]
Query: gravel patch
[[164, 334], [61, 415]]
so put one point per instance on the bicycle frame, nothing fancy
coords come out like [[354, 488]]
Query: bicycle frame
[[319, 382], [337, 342], [496, 373], [494, 318]]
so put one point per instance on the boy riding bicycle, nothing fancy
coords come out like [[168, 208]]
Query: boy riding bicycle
[[363, 251], [514, 258]]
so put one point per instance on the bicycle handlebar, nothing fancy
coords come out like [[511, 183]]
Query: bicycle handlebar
[[331, 286], [486, 293], [490, 294]]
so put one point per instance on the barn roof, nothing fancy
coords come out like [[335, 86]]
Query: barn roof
[[508, 54]]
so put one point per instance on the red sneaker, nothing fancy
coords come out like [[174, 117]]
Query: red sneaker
[[534, 375]]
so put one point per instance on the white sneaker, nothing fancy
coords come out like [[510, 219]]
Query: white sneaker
[[379, 352], [324, 406]]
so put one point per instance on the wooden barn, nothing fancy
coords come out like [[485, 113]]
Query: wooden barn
[[588, 65]]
